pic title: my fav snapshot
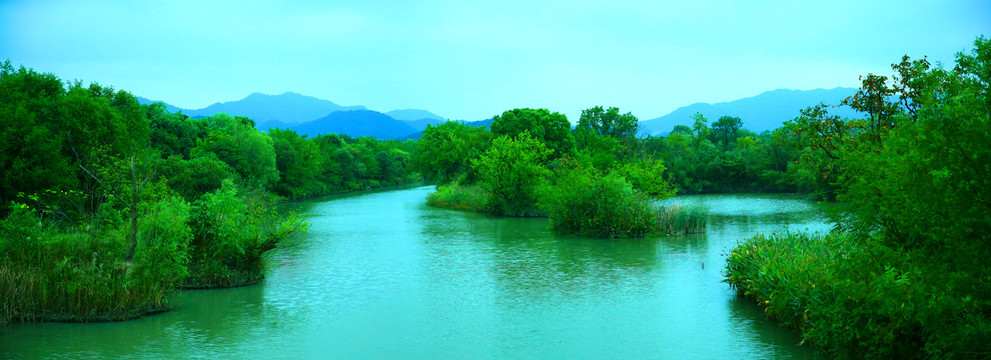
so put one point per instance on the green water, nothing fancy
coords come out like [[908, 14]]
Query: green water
[[383, 276]]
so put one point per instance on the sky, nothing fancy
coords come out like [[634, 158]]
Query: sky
[[474, 59]]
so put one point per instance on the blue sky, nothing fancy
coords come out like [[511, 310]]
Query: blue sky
[[474, 59]]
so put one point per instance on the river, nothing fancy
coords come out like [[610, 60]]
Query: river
[[383, 276]]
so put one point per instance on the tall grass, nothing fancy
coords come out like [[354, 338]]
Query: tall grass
[[78, 274], [678, 219], [72, 277], [854, 298], [459, 197]]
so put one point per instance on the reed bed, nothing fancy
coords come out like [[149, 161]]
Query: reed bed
[[680, 219], [459, 197]]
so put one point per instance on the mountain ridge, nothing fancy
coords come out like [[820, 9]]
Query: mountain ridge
[[765, 111], [311, 116]]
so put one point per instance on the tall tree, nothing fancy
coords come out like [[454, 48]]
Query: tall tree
[[609, 122], [724, 131], [552, 129]]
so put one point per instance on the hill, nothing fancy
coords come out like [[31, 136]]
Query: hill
[[414, 114], [288, 107], [353, 122], [766, 111], [168, 107]]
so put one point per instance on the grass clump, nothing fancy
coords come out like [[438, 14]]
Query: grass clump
[[459, 197], [678, 219]]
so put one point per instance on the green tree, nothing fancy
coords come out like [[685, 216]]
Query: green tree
[[299, 163], [445, 151], [724, 131], [235, 141], [552, 129], [609, 122], [173, 133], [512, 170]]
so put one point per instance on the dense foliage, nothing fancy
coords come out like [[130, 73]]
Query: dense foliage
[[909, 278], [599, 186], [580, 202], [512, 171], [107, 205]]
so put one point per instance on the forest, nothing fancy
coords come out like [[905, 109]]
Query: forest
[[109, 206]]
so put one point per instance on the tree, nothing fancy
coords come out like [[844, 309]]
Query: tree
[[298, 161], [552, 129], [235, 141], [172, 133], [700, 127], [609, 122], [512, 170], [724, 131], [445, 151]]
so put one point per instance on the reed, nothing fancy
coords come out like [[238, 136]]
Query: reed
[[679, 219], [459, 197]]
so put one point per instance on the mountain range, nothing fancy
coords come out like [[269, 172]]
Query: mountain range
[[766, 111], [312, 116]]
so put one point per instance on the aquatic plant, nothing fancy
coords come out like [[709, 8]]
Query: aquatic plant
[[459, 197], [679, 219]]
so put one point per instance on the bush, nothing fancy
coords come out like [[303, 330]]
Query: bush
[[512, 171], [606, 207], [224, 235], [229, 240], [162, 252], [459, 197], [855, 298]]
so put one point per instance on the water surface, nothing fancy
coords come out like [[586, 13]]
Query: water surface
[[383, 276]]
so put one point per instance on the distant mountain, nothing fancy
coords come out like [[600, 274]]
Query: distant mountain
[[479, 123], [288, 108], [353, 122], [421, 124], [766, 111], [169, 108], [414, 114]]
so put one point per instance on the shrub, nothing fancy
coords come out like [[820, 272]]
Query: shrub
[[78, 275], [855, 298], [512, 171], [162, 252], [584, 204], [229, 240], [459, 197], [224, 235]]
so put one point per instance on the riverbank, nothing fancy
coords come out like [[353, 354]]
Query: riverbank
[[853, 297], [449, 284]]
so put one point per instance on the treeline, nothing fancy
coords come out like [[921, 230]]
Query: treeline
[[594, 180], [907, 275], [108, 205], [724, 157], [199, 153]]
